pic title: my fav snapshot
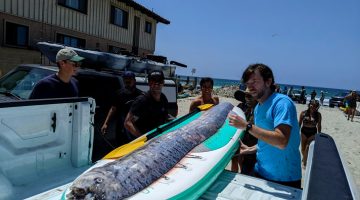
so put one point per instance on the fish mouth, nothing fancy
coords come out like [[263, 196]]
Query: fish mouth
[[76, 193]]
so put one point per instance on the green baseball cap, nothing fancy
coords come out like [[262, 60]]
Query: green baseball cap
[[68, 54]]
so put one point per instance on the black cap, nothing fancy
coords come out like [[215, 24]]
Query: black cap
[[129, 73], [156, 74]]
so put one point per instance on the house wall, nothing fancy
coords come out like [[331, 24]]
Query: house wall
[[12, 57], [45, 19], [95, 23]]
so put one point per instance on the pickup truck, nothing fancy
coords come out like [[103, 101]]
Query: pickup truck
[[100, 85], [46, 144]]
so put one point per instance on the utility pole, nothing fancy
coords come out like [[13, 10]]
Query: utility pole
[[193, 71]]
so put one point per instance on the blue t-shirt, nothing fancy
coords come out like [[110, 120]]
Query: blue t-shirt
[[53, 87], [274, 163]]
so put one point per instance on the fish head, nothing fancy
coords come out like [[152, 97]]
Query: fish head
[[94, 183]]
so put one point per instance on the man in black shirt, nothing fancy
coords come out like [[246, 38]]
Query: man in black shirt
[[61, 84], [121, 106], [150, 109]]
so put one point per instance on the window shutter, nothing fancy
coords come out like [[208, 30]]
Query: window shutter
[[83, 5], [112, 14], [125, 18], [61, 2]]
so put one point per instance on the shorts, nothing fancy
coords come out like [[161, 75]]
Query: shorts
[[352, 105], [308, 131]]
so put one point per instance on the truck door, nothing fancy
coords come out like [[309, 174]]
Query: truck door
[[41, 138]]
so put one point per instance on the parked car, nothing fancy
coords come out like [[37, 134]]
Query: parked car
[[296, 96], [18, 84], [338, 99]]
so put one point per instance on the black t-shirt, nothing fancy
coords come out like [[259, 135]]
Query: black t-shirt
[[249, 139], [151, 113], [123, 101], [53, 87]]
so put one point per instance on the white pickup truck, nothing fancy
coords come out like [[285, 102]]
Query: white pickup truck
[[46, 144]]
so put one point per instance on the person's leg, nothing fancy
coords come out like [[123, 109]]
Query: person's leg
[[235, 163], [303, 145], [352, 113], [307, 145], [247, 166]]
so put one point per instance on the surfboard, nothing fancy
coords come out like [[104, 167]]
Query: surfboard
[[195, 173], [96, 60]]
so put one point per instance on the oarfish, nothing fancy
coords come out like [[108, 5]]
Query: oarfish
[[130, 174]]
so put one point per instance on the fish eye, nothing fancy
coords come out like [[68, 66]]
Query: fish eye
[[98, 180]]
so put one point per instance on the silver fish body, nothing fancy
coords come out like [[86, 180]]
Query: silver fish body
[[130, 174]]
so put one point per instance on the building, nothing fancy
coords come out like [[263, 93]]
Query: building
[[102, 25]]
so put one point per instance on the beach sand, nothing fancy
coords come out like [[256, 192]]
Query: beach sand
[[345, 133]]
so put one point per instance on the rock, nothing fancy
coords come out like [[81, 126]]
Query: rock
[[188, 87]]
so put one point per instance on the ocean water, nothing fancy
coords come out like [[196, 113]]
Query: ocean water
[[328, 91]]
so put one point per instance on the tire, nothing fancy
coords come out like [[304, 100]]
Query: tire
[[331, 105]]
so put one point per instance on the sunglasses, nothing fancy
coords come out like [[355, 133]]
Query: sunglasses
[[156, 80], [314, 102], [207, 87], [75, 63], [129, 74]]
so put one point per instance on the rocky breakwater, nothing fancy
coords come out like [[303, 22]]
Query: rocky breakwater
[[224, 91]]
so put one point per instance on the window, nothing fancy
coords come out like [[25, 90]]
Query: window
[[70, 41], [113, 49], [119, 17], [148, 27], [78, 5], [16, 34]]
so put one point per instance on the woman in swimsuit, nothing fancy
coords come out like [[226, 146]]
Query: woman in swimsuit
[[310, 120], [352, 103]]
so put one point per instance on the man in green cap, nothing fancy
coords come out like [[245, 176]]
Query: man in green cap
[[60, 84]]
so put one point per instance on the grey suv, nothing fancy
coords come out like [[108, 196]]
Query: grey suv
[[338, 99]]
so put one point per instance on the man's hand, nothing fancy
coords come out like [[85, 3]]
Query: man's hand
[[237, 122], [244, 149], [103, 128]]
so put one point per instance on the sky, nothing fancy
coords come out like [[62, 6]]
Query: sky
[[304, 42]]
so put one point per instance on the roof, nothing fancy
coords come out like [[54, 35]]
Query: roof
[[144, 10]]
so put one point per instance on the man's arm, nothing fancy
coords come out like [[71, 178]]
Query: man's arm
[[130, 125], [278, 138], [169, 117], [110, 115], [282, 116], [244, 149], [216, 100], [194, 104]]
